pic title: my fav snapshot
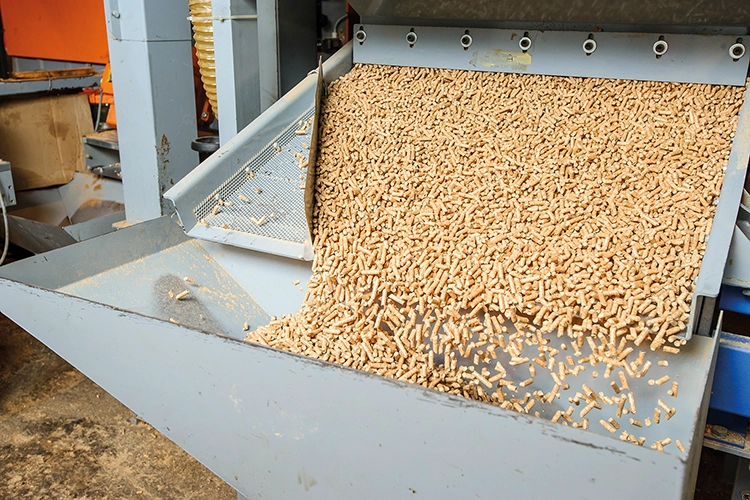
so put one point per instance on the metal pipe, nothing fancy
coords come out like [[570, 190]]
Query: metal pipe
[[201, 18]]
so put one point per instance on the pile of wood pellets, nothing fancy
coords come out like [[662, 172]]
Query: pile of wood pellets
[[493, 235]]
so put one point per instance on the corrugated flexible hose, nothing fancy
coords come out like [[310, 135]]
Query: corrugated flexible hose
[[203, 32]]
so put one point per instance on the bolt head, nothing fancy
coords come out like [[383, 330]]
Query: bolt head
[[116, 14], [745, 495]]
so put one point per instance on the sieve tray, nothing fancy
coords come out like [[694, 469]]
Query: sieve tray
[[273, 216]]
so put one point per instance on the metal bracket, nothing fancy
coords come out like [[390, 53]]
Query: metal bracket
[[633, 56], [6, 184]]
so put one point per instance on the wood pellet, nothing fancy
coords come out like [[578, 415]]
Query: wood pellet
[[465, 219]]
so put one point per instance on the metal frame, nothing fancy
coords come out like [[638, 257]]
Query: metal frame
[[263, 49], [690, 58], [711, 274], [232, 156], [292, 425], [149, 45], [239, 72]]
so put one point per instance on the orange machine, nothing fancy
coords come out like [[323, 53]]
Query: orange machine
[[70, 30], [73, 30], [105, 95]]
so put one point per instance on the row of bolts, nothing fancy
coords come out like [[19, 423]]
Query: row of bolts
[[660, 47]]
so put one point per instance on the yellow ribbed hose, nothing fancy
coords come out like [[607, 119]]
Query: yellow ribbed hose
[[203, 32]]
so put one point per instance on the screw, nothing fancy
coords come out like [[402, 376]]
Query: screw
[[204, 115], [116, 14], [745, 495]]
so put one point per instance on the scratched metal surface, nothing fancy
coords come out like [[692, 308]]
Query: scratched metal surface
[[277, 425]]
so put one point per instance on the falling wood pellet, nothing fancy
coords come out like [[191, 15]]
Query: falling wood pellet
[[258, 222], [450, 240], [182, 295], [679, 445], [631, 401], [607, 426], [244, 198], [172, 320], [245, 327], [673, 391], [295, 282], [171, 294], [187, 279]]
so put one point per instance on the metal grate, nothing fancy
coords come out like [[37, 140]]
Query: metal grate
[[276, 190]]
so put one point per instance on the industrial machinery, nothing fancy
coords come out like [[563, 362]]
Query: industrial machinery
[[279, 425]]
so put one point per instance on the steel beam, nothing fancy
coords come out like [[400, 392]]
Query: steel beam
[[150, 53], [238, 67]]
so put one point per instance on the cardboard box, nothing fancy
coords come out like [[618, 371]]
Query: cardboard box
[[41, 138]]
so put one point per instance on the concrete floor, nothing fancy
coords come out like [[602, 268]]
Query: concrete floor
[[63, 437]]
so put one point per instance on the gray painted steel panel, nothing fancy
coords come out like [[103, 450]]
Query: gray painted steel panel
[[737, 272], [720, 238], [201, 183], [290, 424], [237, 65], [135, 268], [277, 425], [150, 53], [689, 58]]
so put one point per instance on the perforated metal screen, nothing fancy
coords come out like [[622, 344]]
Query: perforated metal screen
[[266, 196]]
